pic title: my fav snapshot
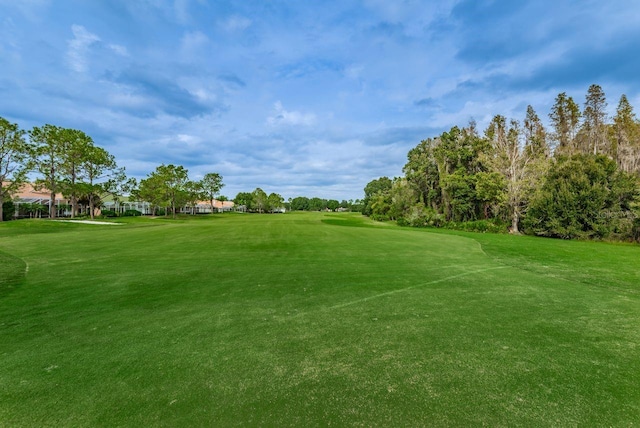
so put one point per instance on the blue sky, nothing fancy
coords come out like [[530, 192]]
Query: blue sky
[[301, 97]]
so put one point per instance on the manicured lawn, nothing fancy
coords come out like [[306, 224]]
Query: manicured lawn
[[313, 320]]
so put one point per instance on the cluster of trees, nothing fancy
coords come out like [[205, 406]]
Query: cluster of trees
[[577, 179], [302, 203], [169, 188], [259, 201], [67, 161]]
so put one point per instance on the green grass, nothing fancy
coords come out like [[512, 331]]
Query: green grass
[[315, 320]]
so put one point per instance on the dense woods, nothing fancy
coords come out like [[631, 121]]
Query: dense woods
[[577, 179]]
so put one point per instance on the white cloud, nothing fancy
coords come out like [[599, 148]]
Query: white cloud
[[192, 41], [119, 49], [127, 100], [181, 10], [203, 95], [188, 140], [33, 10], [79, 47], [236, 23], [354, 71], [284, 117]]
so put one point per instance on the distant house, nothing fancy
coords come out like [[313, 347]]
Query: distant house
[[120, 205], [204, 207], [28, 196]]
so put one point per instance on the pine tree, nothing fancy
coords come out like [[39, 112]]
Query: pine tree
[[595, 116], [565, 117], [625, 141], [48, 144], [535, 136]]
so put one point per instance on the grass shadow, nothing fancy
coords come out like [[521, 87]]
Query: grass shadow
[[12, 273], [351, 220]]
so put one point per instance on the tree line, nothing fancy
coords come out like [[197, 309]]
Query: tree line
[[577, 179], [67, 161], [303, 203], [259, 201]]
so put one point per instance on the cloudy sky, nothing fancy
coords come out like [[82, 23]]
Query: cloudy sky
[[312, 98]]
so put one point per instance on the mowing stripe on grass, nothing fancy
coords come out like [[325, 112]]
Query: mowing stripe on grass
[[402, 290], [160, 323]]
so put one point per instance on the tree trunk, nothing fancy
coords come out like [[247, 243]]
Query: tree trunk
[[74, 198], [52, 205], [1, 202], [514, 222]]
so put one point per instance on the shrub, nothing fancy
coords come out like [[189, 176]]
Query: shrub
[[380, 217], [8, 210], [635, 229], [403, 222], [491, 226], [109, 213], [583, 196], [131, 213]]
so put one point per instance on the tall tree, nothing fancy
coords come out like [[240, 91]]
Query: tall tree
[[49, 146], [510, 158], [403, 198], [595, 117], [175, 179], [76, 149], [380, 185], [317, 204], [421, 171], [152, 190], [166, 186], [15, 160], [333, 204], [275, 202], [260, 200], [211, 185], [565, 118], [457, 155], [299, 203], [380, 204], [96, 165], [193, 193], [626, 137], [244, 199], [490, 191], [535, 136]]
